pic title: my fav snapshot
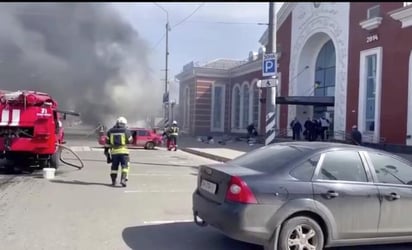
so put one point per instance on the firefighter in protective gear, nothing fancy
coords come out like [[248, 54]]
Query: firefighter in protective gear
[[165, 136], [173, 132], [117, 139]]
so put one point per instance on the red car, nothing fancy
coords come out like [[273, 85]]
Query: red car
[[142, 137]]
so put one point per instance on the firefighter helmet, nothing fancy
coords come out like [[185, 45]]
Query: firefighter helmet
[[121, 120], [174, 123]]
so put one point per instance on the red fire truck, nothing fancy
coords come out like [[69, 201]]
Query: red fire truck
[[31, 131]]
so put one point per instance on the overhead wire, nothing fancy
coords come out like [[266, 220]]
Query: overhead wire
[[159, 41], [177, 24], [225, 22], [189, 16]]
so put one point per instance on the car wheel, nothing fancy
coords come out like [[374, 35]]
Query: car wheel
[[150, 145], [301, 233]]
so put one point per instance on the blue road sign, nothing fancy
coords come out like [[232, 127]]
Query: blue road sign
[[269, 67]]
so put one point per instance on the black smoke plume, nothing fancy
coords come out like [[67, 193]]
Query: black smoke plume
[[84, 54]]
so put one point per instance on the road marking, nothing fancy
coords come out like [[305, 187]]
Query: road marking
[[165, 222], [157, 191], [77, 148], [165, 175], [97, 149], [83, 149]]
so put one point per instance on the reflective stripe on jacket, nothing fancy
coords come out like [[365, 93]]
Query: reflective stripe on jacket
[[118, 138], [174, 130]]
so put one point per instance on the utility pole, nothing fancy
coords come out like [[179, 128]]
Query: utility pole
[[166, 96], [271, 92], [172, 106], [167, 104]]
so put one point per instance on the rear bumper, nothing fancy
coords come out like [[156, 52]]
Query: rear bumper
[[243, 222]]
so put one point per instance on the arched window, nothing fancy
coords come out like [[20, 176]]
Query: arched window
[[218, 107], [255, 104], [325, 71], [245, 105], [325, 76], [186, 107], [236, 107]]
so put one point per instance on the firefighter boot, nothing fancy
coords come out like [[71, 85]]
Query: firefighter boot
[[123, 179], [114, 177]]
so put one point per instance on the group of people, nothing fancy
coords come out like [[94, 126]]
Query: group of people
[[117, 152], [313, 129]]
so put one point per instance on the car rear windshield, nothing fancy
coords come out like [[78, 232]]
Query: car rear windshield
[[269, 158]]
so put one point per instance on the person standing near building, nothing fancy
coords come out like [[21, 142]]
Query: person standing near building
[[318, 129], [296, 128], [324, 123], [173, 133], [165, 136], [117, 139], [308, 129], [356, 136]]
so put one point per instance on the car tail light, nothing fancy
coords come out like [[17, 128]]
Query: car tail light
[[239, 191], [42, 136]]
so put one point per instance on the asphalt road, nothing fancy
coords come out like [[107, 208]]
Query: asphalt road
[[79, 210]]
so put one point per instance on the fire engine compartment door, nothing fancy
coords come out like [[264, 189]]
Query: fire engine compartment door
[[42, 118], [11, 117]]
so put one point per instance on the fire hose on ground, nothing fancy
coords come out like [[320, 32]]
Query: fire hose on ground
[[61, 146]]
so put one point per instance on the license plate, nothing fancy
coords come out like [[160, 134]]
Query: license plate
[[208, 186]]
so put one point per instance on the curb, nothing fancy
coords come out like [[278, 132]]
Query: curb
[[206, 155]]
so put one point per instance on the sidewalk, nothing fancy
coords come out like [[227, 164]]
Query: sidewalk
[[226, 152], [216, 151]]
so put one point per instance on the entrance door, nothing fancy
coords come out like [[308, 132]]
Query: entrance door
[[409, 128]]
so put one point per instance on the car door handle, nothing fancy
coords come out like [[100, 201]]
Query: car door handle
[[331, 194], [393, 196]]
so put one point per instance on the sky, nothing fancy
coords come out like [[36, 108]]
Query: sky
[[200, 32]]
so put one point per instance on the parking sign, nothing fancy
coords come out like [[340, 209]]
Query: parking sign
[[269, 67]]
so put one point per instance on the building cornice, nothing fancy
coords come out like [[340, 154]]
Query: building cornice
[[246, 68], [184, 76], [404, 15], [209, 72], [237, 71], [371, 23]]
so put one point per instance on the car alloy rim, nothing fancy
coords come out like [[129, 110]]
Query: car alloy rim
[[302, 237]]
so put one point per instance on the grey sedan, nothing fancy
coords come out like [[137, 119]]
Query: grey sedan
[[308, 196]]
